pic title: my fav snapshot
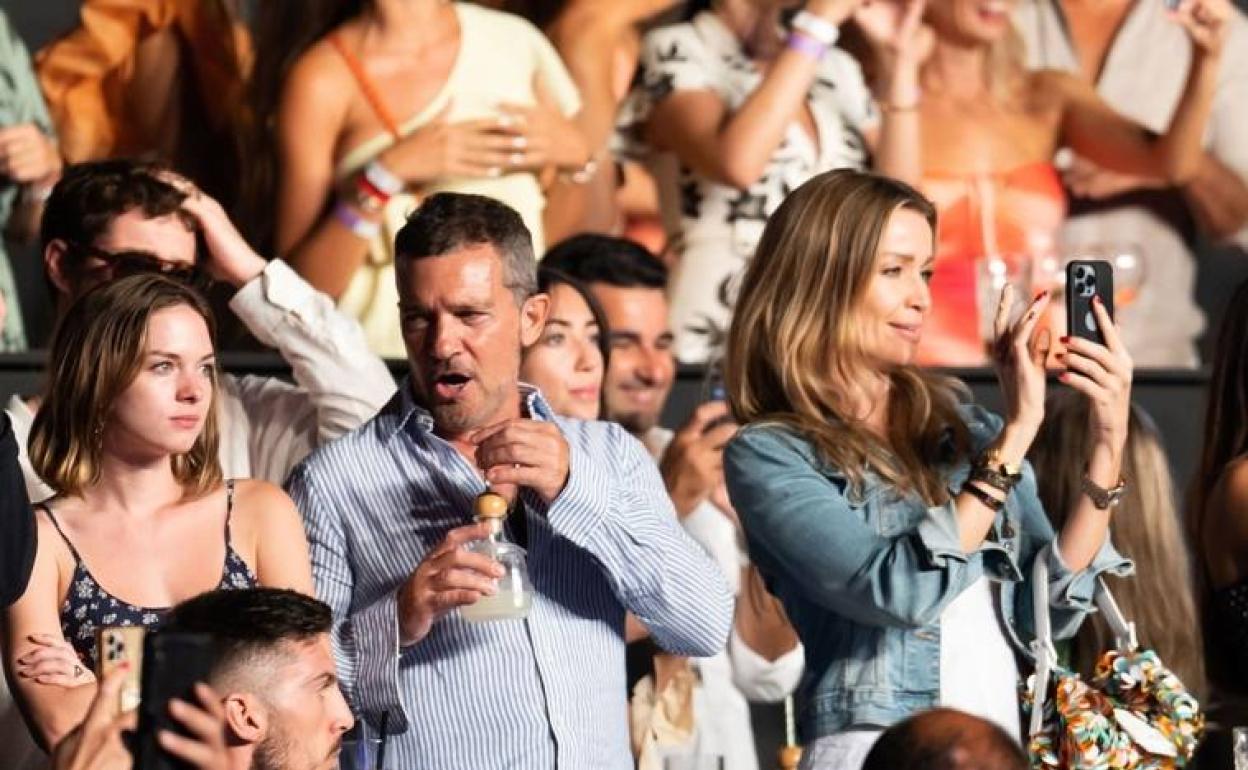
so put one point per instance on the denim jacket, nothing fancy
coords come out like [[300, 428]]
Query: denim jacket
[[865, 577]]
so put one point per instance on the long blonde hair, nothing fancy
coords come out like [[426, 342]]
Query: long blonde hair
[[1146, 527], [794, 352], [96, 353]]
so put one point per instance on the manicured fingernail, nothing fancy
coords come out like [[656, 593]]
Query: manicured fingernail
[[1096, 299], [1040, 295], [1064, 376], [1065, 339]]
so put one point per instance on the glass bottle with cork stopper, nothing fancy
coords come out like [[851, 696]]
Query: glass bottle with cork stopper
[[514, 596]]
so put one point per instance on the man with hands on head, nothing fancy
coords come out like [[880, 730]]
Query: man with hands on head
[[763, 660], [386, 508], [109, 218]]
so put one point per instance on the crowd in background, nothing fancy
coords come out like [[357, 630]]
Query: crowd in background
[[642, 184]]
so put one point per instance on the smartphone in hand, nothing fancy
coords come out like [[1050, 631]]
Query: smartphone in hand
[[118, 645], [172, 664], [1086, 279]]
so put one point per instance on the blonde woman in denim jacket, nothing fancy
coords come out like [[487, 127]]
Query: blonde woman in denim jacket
[[894, 521]]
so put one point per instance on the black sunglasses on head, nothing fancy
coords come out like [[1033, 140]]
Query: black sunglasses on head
[[119, 264]]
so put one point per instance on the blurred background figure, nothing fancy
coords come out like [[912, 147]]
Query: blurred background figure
[[158, 79], [569, 360], [373, 104], [990, 130], [1137, 60], [731, 115], [1217, 519], [1147, 528], [30, 164]]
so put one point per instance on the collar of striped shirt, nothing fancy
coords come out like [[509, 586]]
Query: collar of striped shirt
[[407, 412]]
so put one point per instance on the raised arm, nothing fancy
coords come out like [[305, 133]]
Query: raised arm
[[691, 120], [340, 382], [1094, 130]]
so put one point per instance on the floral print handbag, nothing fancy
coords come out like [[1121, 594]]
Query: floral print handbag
[[1134, 714]]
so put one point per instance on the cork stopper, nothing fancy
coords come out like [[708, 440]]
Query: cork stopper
[[491, 507], [790, 757]]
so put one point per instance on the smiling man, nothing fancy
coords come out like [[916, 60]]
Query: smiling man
[[387, 507]]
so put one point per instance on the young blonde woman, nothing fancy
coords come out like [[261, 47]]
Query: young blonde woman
[[142, 518], [897, 525], [1160, 598]]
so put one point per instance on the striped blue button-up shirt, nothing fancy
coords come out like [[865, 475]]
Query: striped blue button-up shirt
[[546, 692]]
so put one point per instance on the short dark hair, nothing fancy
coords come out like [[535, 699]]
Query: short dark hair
[[89, 196], [616, 262], [250, 623], [945, 739], [449, 221]]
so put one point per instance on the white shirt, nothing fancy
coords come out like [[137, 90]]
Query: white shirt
[[738, 673], [714, 227], [1142, 77]]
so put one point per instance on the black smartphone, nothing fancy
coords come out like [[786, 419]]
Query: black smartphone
[[1086, 279], [172, 664]]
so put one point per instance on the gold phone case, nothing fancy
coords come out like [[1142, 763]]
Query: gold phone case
[[115, 645]]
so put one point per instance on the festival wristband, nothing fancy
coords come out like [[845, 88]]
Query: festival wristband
[[806, 44], [349, 218]]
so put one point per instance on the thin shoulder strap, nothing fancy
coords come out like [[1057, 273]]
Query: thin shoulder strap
[[229, 506], [47, 509], [367, 87]]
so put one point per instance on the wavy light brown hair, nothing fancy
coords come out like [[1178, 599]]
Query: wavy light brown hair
[[97, 351], [1146, 527], [794, 352]]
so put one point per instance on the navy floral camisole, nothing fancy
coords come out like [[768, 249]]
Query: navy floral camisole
[[88, 606]]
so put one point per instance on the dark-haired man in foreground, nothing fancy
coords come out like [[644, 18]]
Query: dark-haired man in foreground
[[274, 671], [388, 506]]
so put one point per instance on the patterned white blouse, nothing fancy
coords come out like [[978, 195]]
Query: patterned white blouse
[[714, 227]]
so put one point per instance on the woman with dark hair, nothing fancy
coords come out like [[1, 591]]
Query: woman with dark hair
[[1217, 518], [569, 360], [377, 103], [127, 437], [898, 525]]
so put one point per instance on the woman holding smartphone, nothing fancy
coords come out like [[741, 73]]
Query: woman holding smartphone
[[142, 518], [898, 525]]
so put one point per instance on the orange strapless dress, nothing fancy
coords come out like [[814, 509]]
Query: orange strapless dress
[[1017, 213]]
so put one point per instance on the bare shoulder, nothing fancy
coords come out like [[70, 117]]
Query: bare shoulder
[[256, 497], [1054, 85], [319, 74]]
